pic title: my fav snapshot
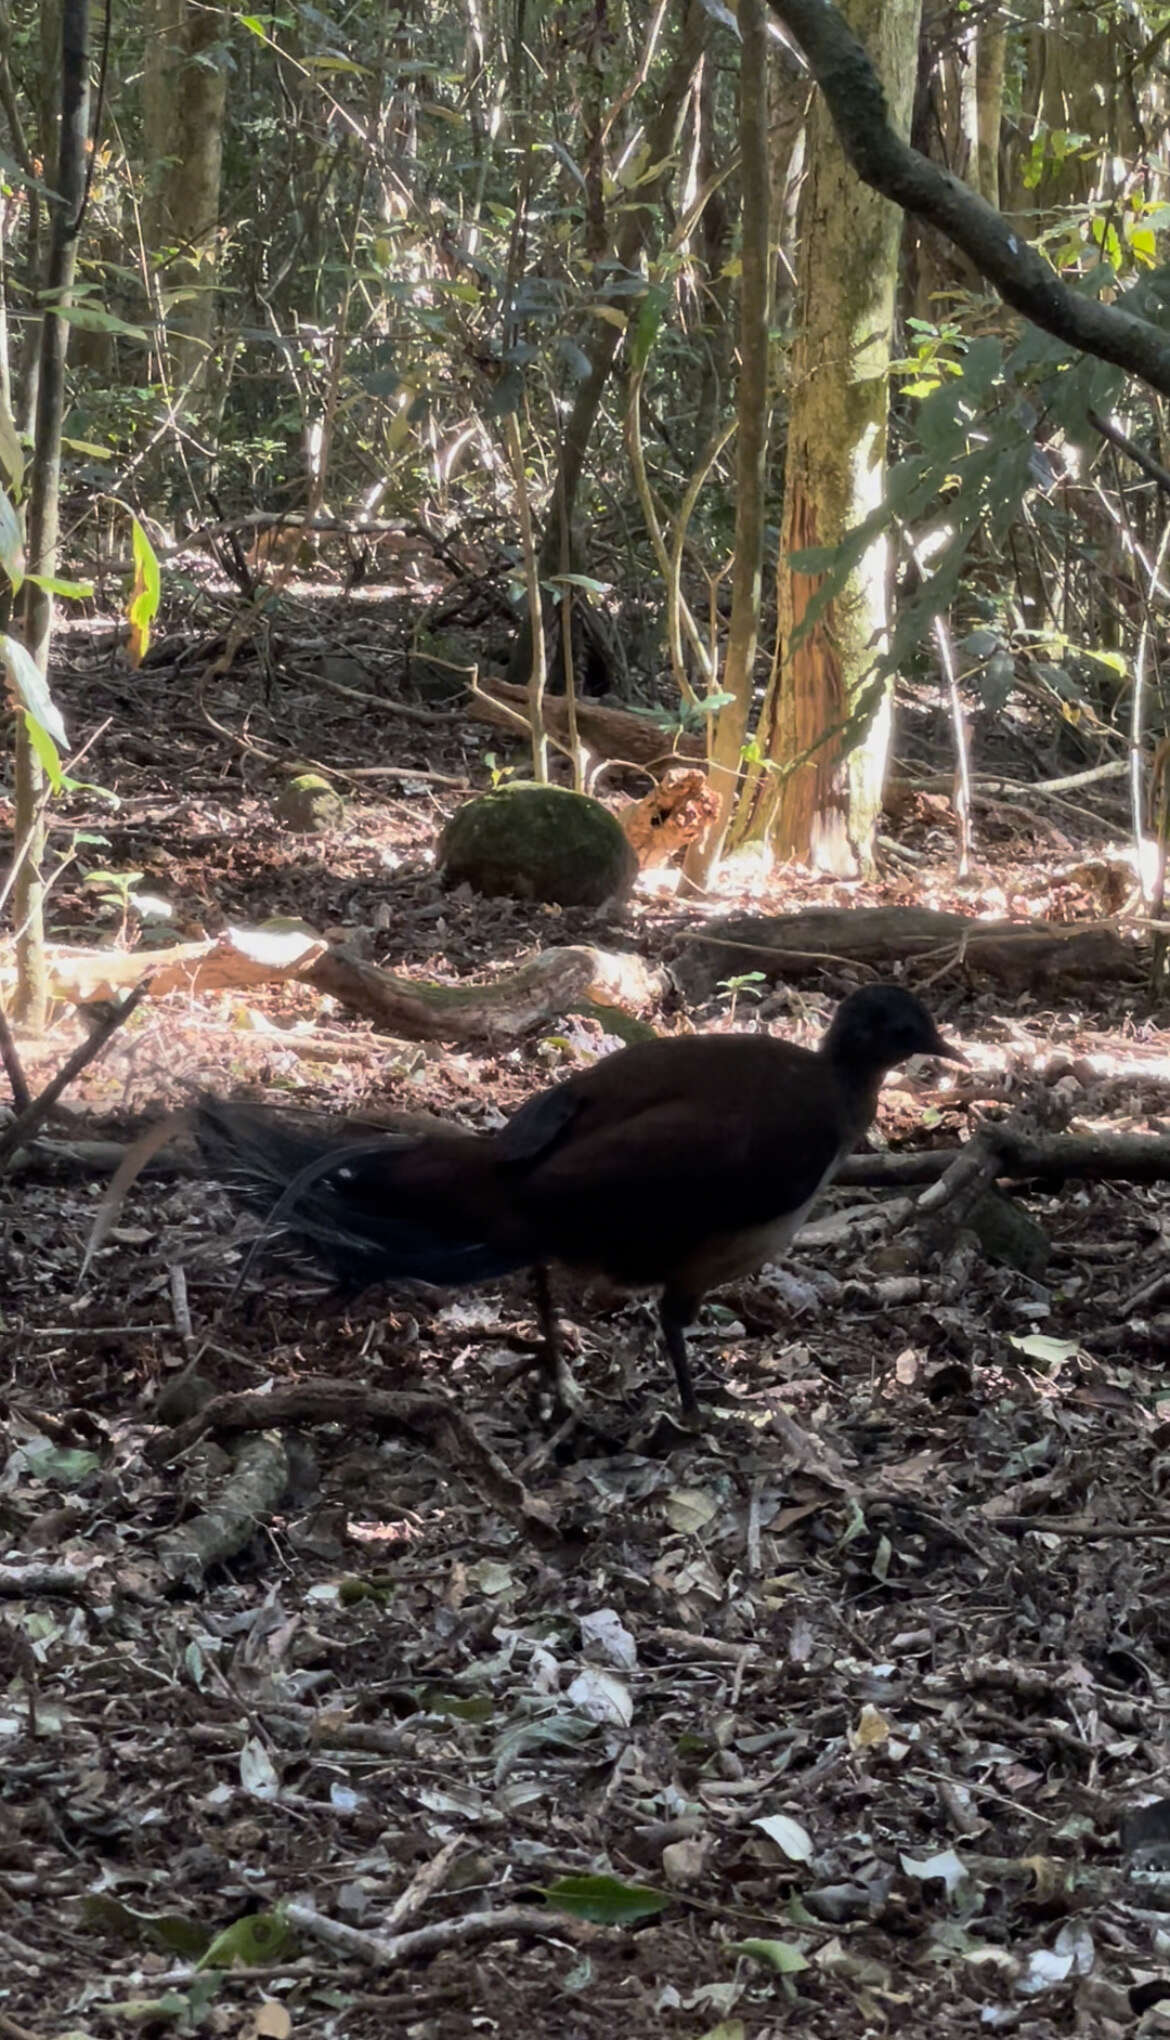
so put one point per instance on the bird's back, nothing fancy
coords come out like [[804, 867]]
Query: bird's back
[[636, 1166]]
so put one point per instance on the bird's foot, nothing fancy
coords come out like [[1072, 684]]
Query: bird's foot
[[668, 1430]]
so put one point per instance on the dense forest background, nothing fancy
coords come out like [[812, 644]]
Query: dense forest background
[[525, 528]]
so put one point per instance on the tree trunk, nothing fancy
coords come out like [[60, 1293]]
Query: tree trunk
[[36, 602], [184, 98], [661, 139], [990, 65], [752, 447], [1082, 147], [823, 735]]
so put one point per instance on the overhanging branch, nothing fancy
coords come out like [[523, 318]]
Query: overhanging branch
[[1023, 278]]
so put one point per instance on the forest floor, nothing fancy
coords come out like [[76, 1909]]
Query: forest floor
[[866, 1682]]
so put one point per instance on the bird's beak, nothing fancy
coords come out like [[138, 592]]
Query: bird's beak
[[948, 1051]]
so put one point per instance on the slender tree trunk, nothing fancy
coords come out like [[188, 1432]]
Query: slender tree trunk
[[184, 99], [714, 320], [990, 69], [752, 443], [817, 791], [661, 138], [36, 603]]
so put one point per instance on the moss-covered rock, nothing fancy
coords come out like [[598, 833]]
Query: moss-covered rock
[[538, 843], [310, 805]]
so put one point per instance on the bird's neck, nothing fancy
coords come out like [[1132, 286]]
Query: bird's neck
[[858, 1084]]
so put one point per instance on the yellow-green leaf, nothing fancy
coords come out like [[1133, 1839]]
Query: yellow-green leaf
[[605, 1900], [31, 689]]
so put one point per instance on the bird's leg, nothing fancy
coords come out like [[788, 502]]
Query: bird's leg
[[675, 1313], [565, 1393]]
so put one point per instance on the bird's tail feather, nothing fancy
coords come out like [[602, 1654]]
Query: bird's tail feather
[[341, 1196]]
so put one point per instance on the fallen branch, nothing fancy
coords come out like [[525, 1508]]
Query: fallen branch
[[608, 985], [381, 1951], [967, 1178], [18, 1082], [250, 1493], [74, 1581], [1101, 1158], [1017, 954], [325, 1401], [69, 1159], [591, 981], [610, 732]]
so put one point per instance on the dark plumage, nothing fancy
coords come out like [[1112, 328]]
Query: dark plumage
[[676, 1165]]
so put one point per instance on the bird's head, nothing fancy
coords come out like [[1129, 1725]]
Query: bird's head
[[880, 1026]]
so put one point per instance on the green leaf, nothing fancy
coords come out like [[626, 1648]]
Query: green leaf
[[11, 450], [782, 1956], [49, 755], [258, 1939], [645, 327], [87, 448], [64, 1465], [113, 881], [173, 1932], [585, 581], [32, 688], [90, 319], [1039, 1346], [477, 1707], [605, 1900], [142, 607], [70, 591]]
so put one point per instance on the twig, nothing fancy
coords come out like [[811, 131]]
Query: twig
[[1107, 1158], [387, 1953], [27, 1122], [73, 1581], [431, 1877], [968, 1178], [242, 1502], [961, 793], [405, 710], [21, 1095], [1140, 458], [10, 2027], [181, 1305]]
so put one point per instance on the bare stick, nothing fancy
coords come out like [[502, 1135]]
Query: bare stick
[[387, 1951], [26, 1124], [21, 1095]]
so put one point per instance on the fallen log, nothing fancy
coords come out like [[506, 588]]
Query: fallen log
[[394, 1412], [607, 987], [610, 732], [610, 987], [1055, 1158], [1016, 954]]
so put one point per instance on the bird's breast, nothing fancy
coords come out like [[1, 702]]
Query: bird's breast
[[728, 1257]]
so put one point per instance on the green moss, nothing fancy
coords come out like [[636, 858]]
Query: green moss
[[538, 843], [309, 805]]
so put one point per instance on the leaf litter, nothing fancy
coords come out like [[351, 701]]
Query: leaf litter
[[848, 1713]]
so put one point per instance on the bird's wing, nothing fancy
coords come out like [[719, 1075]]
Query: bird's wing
[[538, 1125], [639, 1195]]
